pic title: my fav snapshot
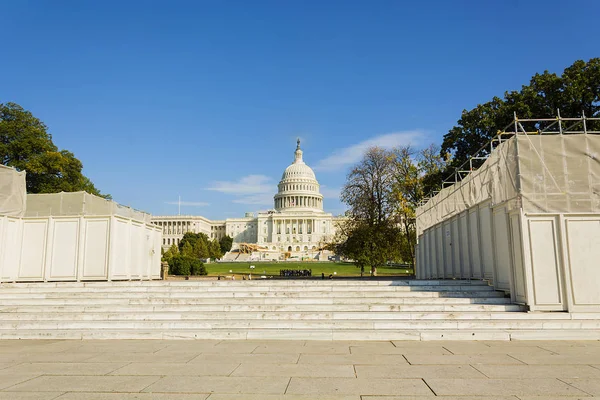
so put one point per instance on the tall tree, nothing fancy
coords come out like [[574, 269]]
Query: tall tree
[[215, 249], [412, 172], [225, 242], [574, 92], [25, 144], [369, 235]]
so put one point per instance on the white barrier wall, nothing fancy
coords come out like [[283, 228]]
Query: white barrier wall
[[546, 261], [527, 220], [78, 248]]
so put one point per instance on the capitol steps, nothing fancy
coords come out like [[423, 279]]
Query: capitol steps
[[278, 309]]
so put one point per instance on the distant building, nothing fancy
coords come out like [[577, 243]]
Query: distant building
[[297, 223]]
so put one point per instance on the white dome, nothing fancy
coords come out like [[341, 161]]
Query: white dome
[[298, 187], [297, 171]]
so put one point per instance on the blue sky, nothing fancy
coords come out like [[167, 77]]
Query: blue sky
[[205, 99]]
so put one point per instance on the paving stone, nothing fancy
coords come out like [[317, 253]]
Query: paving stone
[[217, 396], [367, 359], [590, 386], [143, 357], [553, 397], [337, 386], [441, 397], [538, 371], [133, 396], [417, 371], [8, 379], [47, 357], [462, 359], [317, 348], [181, 369], [67, 368], [86, 384], [233, 347], [208, 358], [502, 387], [122, 346], [482, 348], [295, 370], [233, 385], [556, 359], [573, 350], [400, 350], [29, 395]]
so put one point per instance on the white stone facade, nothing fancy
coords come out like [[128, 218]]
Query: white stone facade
[[296, 224]]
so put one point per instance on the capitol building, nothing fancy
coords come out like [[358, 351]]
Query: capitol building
[[296, 224]]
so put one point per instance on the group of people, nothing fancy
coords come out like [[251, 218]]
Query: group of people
[[295, 272]]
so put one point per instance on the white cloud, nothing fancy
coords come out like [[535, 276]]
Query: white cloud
[[251, 189], [189, 203], [251, 184], [352, 154]]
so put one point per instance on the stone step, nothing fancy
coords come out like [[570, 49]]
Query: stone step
[[276, 307], [277, 315], [245, 295], [234, 301], [503, 324], [239, 283], [323, 334], [219, 291]]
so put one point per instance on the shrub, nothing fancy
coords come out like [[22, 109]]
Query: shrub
[[186, 265]]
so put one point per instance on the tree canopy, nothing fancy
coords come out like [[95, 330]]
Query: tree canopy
[[574, 92], [198, 245], [226, 242], [382, 192], [25, 144]]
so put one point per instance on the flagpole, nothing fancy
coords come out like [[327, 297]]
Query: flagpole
[[179, 206]]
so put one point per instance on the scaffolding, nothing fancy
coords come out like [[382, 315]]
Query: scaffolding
[[540, 165], [526, 126]]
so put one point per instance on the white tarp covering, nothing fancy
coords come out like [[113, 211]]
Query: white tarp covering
[[495, 180], [541, 174], [12, 192], [79, 204]]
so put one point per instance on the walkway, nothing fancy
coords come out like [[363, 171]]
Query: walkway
[[297, 370]]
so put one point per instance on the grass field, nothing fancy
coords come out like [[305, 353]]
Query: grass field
[[272, 268]]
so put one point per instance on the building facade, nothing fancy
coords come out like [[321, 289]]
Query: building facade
[[296, 224]]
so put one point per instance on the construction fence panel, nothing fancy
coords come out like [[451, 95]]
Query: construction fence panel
[[581, 238], [475, 255], [13, 195], [78, 248]]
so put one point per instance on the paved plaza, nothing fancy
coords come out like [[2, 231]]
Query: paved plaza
[[297, 370]]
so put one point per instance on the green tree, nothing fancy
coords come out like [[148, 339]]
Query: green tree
[[411, 171], [169, 254], [369, 235], [225, 242], [201, 248], [26, 145], [574, 92], [187, 250], [215, 249]]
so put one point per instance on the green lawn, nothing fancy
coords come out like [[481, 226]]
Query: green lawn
[[272, 268]]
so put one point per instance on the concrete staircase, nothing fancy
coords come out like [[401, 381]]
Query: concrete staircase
[[278, 309]]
